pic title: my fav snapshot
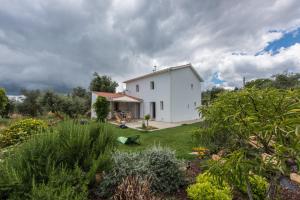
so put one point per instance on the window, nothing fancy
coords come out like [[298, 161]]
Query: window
[[192, 86], [137, 88], [152, 85], [161, 105], [195, 104]]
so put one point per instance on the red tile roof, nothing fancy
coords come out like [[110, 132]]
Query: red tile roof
[[110, 95]]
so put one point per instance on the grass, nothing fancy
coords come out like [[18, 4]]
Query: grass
[[178, 138]]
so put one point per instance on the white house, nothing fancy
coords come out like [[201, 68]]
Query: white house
[[168, 95]]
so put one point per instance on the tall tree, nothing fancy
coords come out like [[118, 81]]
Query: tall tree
[[286, 80], [79, 92], [51, 101], [3, 100], [31, 105], [103, 84]]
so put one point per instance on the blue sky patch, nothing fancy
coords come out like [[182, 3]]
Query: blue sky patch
[[216, 79], [288, 39]]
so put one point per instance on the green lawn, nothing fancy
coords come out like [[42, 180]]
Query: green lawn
[[178, 138]]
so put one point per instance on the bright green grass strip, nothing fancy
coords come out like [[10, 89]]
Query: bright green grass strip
[[178, 139]]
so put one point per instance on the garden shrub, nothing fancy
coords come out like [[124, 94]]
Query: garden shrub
[[134, 188], [259, 186], [20, 131], [159, 164], [63, 184], [255, 122], [101, 107], [207, 188], [69, 146]]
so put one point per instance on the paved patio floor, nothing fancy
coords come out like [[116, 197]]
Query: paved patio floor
[[157, 124]]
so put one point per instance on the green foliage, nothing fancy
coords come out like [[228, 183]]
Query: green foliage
[[51, 101], [3, 100], [268, 117], [101, 107], [9, 109], [62, 184], [207, 188], [265, 114], [259, 186], [31, 105], [80, 92], [259, 83], [103, 84], [20, 131], [61, 151], [147, 118], [209, 95], [158, 164], [280, 81]]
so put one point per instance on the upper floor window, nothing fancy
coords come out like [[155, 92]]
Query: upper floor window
[[192, 86], [152, 85], [161, 105], [137, 88]]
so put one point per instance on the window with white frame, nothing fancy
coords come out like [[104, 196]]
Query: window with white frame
[[137, 88], [152, 85], [161, 105], [192, 86]]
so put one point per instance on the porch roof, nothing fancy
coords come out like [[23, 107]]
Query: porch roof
[[118, 97]]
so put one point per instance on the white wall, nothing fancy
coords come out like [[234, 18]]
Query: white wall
[[183, 96], [161, 92], [93, 113]]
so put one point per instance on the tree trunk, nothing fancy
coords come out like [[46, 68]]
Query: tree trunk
[[249, 192], [271, 193]]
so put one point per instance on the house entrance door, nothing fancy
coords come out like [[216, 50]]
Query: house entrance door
[[153, 110]]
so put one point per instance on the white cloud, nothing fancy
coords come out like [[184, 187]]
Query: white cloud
[[46, 43]]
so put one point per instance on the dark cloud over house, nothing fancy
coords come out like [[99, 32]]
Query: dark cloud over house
[[59, 44]]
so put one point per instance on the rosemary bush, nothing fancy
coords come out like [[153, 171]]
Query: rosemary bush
[[68, 147]]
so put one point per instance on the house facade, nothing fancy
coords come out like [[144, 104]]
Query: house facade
[[168, 95]]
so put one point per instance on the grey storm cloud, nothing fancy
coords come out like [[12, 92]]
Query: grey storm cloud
[[59, 44]]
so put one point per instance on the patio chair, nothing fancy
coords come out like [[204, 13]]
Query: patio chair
[[128, 117], [118, 118]]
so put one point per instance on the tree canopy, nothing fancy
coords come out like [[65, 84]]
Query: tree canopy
[[3, 100], [103, 84], [280, 81]]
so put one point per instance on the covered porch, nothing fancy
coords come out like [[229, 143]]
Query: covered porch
[[124, 111], [122, 107]]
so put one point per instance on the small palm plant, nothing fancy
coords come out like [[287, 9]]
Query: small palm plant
[[147, 118]]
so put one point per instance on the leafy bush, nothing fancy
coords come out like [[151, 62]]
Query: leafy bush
[[20, 131], [158, 164], [254, 122], [207, 188], [69, 146], [259, 186], [3, 99], [101, 107], [63, 184]]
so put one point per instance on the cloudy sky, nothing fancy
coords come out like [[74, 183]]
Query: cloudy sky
[[58, 44]]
